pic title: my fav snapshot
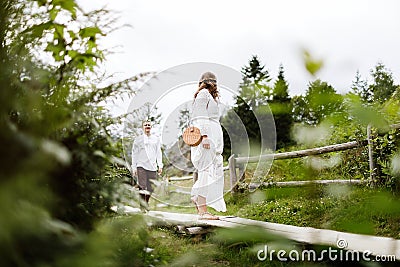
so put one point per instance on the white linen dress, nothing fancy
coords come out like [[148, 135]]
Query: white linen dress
[[208, 162]]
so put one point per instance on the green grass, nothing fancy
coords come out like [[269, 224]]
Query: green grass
[[352, 209], [171, 249]]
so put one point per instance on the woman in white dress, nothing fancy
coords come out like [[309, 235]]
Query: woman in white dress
[[208, 190]]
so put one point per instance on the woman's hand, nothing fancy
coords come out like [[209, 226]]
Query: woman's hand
[[206, 142]]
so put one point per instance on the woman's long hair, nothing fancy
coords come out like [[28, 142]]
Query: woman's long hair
[[209, 81]]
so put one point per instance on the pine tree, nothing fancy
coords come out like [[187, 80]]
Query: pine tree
[[281, 110], [281, 87], [254, 93], [254, 87], [299, 108], [360, 88]]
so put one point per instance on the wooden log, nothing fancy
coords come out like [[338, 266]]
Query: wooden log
[[126, 209], [302, 183], [193, 230], [196, 230], [355, 242], [180, 191], [188, 177], [376, 245], [181, 229], [395, 126], [303, 153]]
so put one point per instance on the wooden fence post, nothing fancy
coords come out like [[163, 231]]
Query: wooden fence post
[[195, 176], [370, 137], [232, 172], [241, 172]]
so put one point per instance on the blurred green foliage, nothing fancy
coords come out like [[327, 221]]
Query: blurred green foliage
[[320, 102], [58, 157], [346, 117], [311, 64]]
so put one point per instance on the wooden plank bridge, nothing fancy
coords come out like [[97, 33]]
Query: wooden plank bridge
[[376, 245]]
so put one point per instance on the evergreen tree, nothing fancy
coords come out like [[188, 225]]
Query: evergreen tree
[[383, 86], [360, 88], [281, 87], [240, 114], [320, 101], [299, 108], [254, 93], [254, 88], [281, 109]]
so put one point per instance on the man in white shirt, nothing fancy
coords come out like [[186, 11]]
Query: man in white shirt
[[146, 160]]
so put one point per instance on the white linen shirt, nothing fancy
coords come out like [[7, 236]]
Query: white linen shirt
[[146, 153]]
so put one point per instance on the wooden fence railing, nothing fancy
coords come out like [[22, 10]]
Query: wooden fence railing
[[234, 162]]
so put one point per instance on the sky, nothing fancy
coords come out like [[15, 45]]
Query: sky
[[348, 35]]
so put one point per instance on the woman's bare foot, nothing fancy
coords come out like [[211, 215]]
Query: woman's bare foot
[[208, 216]]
